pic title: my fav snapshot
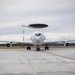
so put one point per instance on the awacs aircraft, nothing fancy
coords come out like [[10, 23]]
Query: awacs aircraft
[[37, 38]]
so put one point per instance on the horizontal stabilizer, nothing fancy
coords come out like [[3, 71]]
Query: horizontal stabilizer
[[38, 26]]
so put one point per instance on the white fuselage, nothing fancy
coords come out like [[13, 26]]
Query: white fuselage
[[37, 38]]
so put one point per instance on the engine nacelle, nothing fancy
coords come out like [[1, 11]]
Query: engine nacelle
[[67, 44], [9, 44]]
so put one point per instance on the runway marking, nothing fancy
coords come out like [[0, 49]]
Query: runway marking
[[60, 60], [60, 56]]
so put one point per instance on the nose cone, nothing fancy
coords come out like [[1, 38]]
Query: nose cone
[[37, 39]]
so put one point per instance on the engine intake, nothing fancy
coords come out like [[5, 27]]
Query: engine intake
[[67, 44], [9, 44]]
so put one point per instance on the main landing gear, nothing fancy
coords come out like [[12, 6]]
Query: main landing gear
[[28, 48], [46, 48]]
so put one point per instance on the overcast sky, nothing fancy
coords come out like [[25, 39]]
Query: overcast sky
[[58, 14]]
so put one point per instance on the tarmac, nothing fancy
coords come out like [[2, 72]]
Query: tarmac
[[55, 61]]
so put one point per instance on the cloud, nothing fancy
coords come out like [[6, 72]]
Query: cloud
[[21, 9], [58, 14]]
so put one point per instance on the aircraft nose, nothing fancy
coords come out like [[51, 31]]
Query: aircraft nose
[[38, 39]]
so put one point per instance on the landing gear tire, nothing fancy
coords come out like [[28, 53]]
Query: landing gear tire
[[46, 48], [37, 49], [28, 48]]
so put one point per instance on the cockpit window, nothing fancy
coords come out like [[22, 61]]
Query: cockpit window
[[37, 34]]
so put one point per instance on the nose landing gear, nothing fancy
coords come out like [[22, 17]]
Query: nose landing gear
[[37, 48]]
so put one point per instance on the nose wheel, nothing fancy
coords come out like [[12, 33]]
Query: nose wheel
[[37, 49]]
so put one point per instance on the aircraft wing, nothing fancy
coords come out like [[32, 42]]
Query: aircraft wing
[[9, 43], [51, 42], [29, 41], [60, 41], [65, 42]]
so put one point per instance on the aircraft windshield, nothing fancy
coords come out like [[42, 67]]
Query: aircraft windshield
[[38, 34]]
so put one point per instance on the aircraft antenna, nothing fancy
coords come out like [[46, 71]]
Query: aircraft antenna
[[23, 31], [37, 26]]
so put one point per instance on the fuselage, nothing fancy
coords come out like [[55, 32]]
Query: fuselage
[[37, 38]]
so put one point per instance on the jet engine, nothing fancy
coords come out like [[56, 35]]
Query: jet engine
[[9, 44], [66, 44]]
